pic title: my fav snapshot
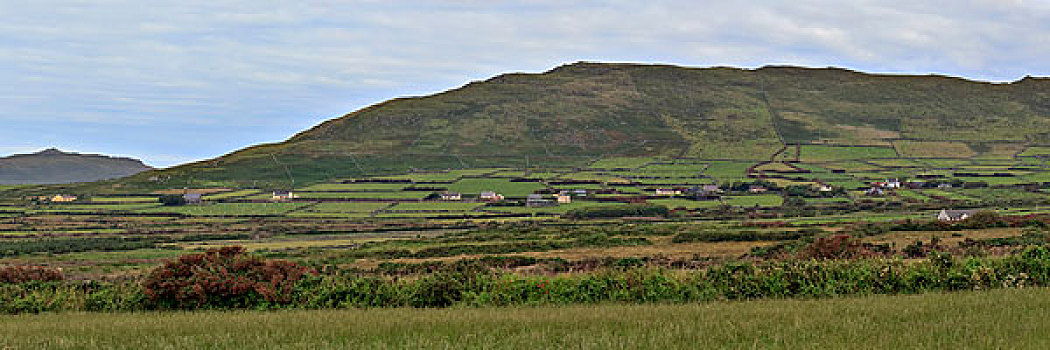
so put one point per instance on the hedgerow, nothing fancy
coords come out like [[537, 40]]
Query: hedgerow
[[232, 279]]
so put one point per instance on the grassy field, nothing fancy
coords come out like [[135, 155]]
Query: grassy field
[[831, 153], [229, 209], [1004, 319], [503, 186]]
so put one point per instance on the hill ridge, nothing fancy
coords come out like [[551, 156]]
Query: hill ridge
[[586, 110]]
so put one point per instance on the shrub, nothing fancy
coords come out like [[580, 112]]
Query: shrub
[[71, 245], [223, 278], [841, 247], [740, 236], [23, 274], [172, 200], [616, 211]]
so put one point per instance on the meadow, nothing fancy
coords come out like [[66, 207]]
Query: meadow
[[1011, 319]]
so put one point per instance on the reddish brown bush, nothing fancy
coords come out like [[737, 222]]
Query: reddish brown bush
[[22, 274], [227, 277], [841, 247]]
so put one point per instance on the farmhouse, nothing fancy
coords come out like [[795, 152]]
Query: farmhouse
[[954, 215], [563, 198], [668, 192], [192, 198], [283, 195], [705, 192], [451, 196], [537, 200], [62, 198], [491, 196]]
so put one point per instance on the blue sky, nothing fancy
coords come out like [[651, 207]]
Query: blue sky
[[176, 81]]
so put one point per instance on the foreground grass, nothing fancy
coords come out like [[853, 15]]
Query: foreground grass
[[995, 319]]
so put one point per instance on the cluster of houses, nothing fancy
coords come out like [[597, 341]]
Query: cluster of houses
[[879, 188], [955, 215], [532, 200]]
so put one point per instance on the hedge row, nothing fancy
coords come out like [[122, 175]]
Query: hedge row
[[474, 286]]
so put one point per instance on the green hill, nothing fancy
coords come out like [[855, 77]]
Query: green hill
[[56, 167], [577, 113]]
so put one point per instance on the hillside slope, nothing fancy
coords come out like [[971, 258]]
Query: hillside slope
[[579, 112], [56, 167]]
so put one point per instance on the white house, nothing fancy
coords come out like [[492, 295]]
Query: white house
[[283, 195], [667, 192], [955, 215], [451, 196], [491, 196]]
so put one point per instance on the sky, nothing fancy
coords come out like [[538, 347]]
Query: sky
[[171, 82]]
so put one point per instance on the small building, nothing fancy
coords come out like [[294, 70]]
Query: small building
[[874, 191], [537, 200], [451, 196], [916, 184], [193, 198], [895, 183], [284, 195], [563, 198], [955, 215], [668, 192], [58, 198], [944, 186], [579, 192], [491, 196], [757, 189], [825, 188], [705, 192]]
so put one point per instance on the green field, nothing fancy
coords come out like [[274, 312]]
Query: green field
[[1001, 319], [503, 186], [362, 186], [811, 153], [766, 200], [436, 206], [622, 162], [686, 203], [231, 194], [358, 195], [345, 207], [129, 199], [229, 209]]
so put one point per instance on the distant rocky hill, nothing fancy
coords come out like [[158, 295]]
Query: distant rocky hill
[[53, 166]]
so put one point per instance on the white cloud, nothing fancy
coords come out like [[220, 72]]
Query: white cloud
[[262, 71]]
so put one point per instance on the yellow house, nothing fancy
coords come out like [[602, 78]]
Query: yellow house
[[284, 195], [62, 198]]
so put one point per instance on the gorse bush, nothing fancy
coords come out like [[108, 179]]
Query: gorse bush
[[223, 278]]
